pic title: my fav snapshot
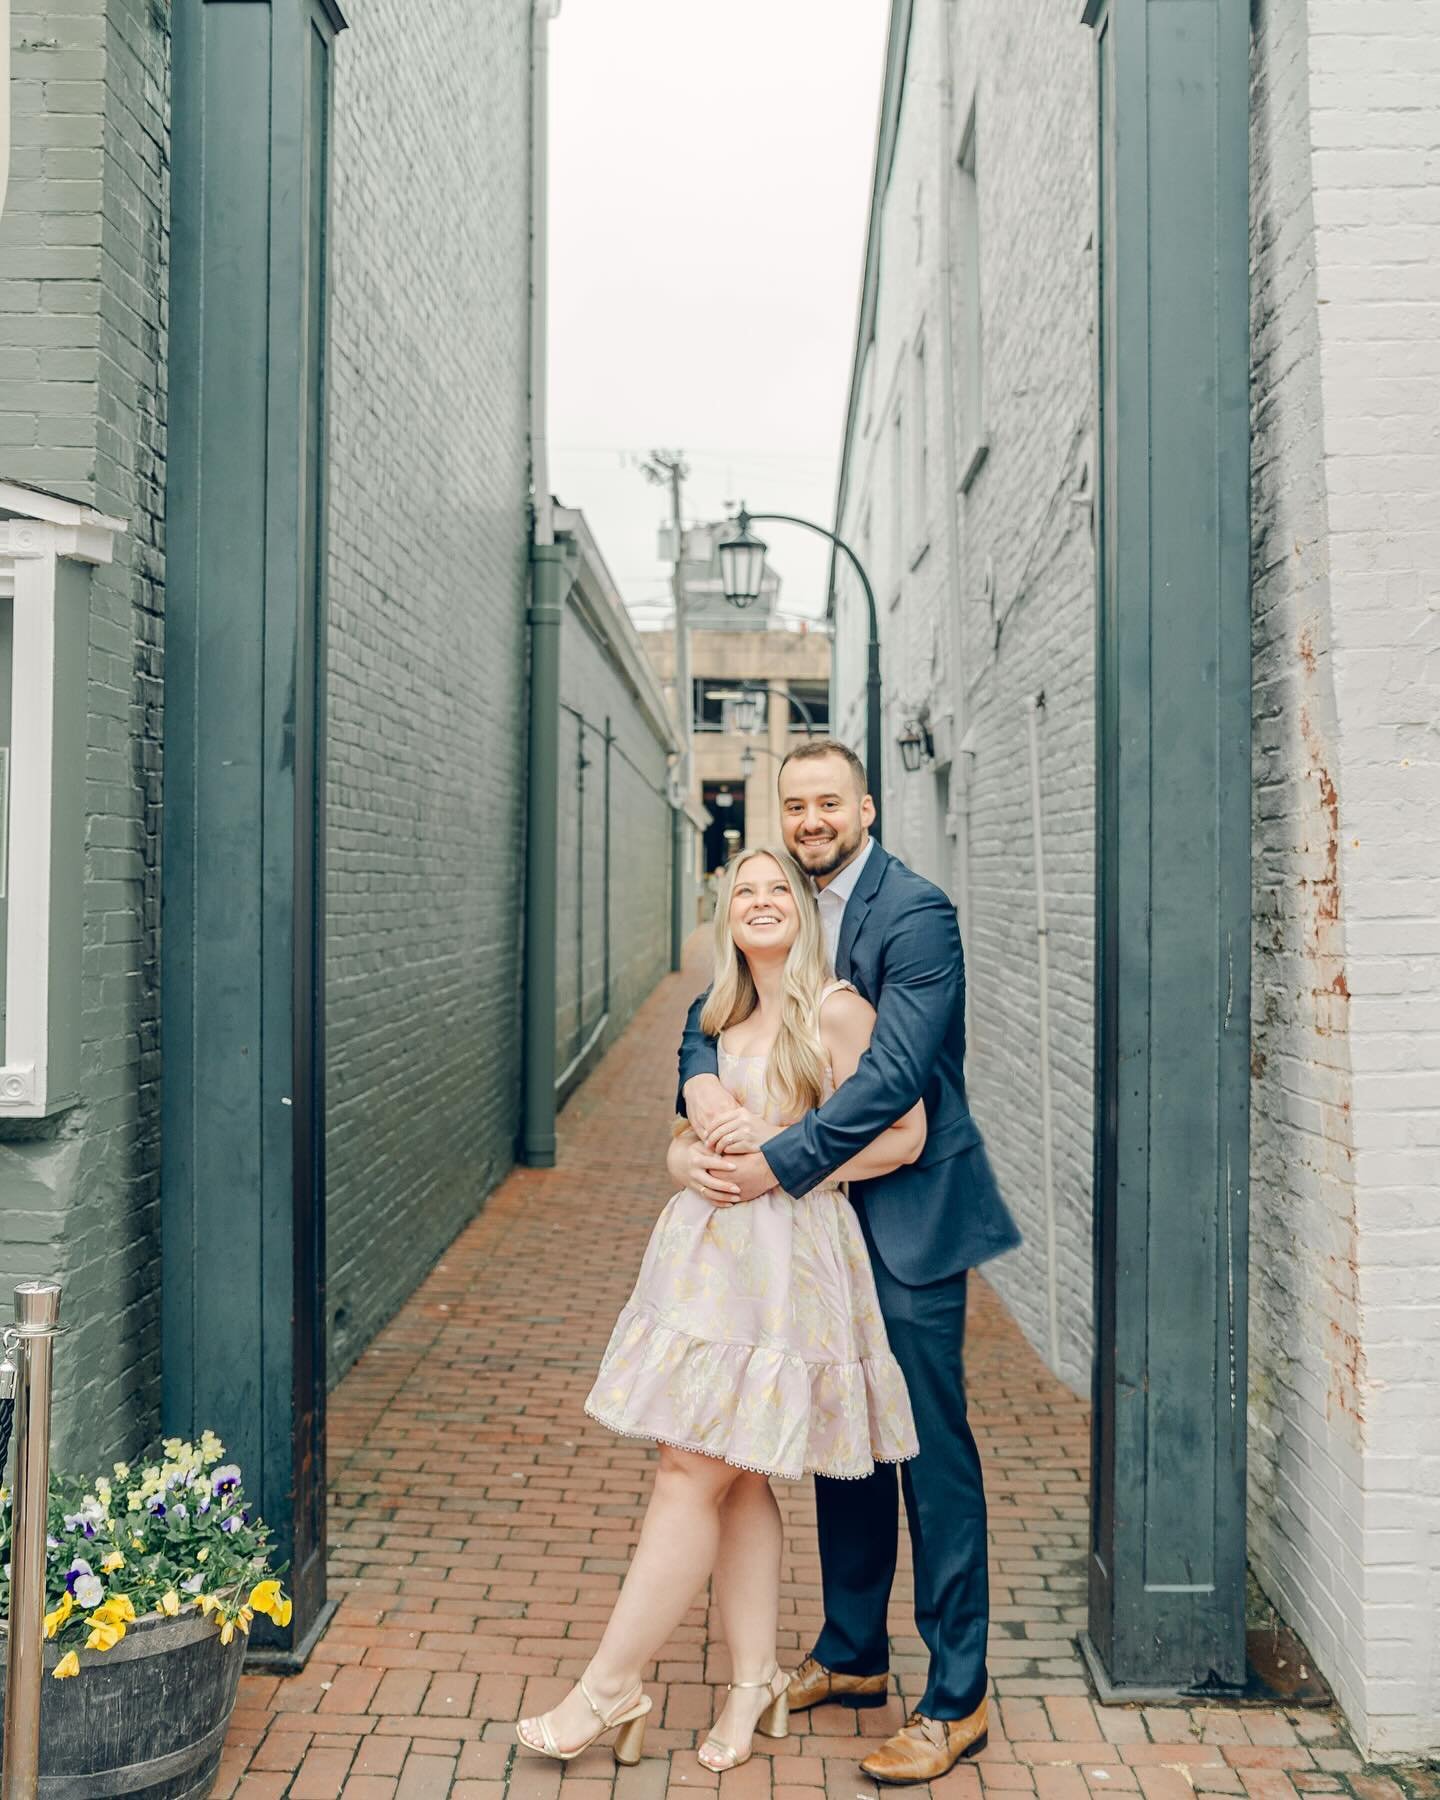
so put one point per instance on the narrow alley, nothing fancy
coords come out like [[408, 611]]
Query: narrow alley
[[480, 1526]]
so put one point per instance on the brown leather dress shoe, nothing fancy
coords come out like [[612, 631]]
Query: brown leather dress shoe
[[812, 1684], [927, 1748]]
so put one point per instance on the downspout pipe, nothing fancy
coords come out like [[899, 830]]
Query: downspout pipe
[[544, 505], [1033, 707], [4, 100], [549, 587], [960, 769]]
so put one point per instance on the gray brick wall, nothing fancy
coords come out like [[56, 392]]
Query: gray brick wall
[[83, 262], [428, 583], [1018, 618], [594, 695]]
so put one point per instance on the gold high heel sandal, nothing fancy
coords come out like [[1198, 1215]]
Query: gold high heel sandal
[[628, 1715], [774, 1722]]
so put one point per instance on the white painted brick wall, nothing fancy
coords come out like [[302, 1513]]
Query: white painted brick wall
[[1345, 1275], [1035, 175], [1345, 1312]]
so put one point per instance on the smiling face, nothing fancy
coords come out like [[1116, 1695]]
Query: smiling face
[[764, 919], [825, 815]]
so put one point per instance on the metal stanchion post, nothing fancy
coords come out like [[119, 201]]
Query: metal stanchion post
[[37, 1314]]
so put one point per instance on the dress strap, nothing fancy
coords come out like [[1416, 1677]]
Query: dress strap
[[835, 987]]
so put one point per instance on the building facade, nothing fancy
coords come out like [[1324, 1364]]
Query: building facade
[[270, 371], [757, 688], [969, 488]]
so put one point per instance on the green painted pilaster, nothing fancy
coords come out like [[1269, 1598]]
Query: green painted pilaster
[[1167, 1567], [242, 1164]]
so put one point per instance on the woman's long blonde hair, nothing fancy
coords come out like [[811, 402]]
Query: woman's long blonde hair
[[796, 1073]]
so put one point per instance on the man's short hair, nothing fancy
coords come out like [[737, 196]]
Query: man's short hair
[[813, 747]]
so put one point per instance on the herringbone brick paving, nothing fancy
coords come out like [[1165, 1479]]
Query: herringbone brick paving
[[480, 1526]]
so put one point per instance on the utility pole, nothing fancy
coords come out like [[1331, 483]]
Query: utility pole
[[667, 468]]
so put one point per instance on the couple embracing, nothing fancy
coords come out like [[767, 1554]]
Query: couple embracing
[[781, 1328]]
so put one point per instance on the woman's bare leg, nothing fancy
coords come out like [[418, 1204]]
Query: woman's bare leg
[[747, 1597], [672, 1562]]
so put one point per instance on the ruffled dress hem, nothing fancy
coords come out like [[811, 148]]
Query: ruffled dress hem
[[756, 1407], [650, 1437]]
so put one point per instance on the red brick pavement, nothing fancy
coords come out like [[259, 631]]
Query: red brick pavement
[[480, 1526]]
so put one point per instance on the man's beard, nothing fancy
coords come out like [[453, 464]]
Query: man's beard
[[822, 859]]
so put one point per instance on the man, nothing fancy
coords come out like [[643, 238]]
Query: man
[[895, 937]]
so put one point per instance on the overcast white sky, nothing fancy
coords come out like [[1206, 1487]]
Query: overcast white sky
[[710, 176]]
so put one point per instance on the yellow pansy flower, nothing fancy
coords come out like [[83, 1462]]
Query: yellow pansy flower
[[54, 1620], [103, 1635], [69, 1664], [203, 1555], [227, 1632], [265, 1596], [243, 1618], [112, 1562], [169, 1604], [119, 1609], [281, 1614], [207, 1604], [122, 1471]]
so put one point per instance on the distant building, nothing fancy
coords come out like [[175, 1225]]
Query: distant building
[[757, 688]]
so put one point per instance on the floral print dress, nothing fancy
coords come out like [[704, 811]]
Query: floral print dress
[[754, 1333]]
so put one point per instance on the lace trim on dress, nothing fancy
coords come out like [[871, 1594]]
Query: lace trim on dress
[[749, 1468]]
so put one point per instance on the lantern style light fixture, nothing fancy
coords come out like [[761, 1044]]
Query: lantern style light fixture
[[746, 705], [742, 564], [915, 744]]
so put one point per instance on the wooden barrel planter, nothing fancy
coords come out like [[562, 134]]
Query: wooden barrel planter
[[146, 1718]]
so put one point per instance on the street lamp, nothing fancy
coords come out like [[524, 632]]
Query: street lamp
[[746, 701], [742, 563]]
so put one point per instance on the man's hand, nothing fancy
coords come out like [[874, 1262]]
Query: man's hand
[[706, 1172], [706, 1098], [752, 1175], [738, 1130]]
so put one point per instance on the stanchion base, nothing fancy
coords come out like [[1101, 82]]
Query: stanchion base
[[276, 1660]]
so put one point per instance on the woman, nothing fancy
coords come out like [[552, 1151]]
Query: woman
[[753, 1344]]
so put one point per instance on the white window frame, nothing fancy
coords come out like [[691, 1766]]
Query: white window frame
[[40, 1062]]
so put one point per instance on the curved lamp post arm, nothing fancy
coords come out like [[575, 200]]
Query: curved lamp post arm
[[763, 687], [872, 678]]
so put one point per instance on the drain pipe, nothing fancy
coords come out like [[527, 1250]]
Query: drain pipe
[[549, 586], [959, 755], [1034, 706], [4, 100]]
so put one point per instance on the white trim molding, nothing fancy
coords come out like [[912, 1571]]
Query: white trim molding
[[44, 541]]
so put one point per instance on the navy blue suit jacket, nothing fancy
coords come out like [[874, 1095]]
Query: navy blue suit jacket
[[900, 946]]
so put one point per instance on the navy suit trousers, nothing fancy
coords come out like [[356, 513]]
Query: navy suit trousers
[[859, 1521]]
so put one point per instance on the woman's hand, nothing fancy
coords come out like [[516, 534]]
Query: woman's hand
[[704, 1171], [738, 1130]]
